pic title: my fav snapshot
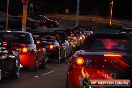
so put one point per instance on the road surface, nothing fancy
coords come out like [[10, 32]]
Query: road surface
[[54, 76]]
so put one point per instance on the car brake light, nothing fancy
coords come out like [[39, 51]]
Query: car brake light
[[4, 43], [79, 60], [38, 42], [112, 55], [79, 38], [25, 49], [51, 46]]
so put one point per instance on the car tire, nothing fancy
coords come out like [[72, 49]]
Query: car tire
[[43, 64], [15, 72], [59, 56], [51, 25], [36, 64]]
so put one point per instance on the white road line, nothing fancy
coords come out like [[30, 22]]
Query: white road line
[[36, 76], [48, 73]]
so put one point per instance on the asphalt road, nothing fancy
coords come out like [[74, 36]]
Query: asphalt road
[[53, 76]]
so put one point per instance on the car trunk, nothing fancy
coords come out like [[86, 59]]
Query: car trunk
[[108, 65], [13, 46]]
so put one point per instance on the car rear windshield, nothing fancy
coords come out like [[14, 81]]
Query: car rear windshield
[[16, 37], [108, 44]]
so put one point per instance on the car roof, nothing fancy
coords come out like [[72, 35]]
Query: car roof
[[14, 32], [112, 35]]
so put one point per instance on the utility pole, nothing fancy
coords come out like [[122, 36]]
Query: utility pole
[[77, 13], [24, 17], [111, 11], [7, 14]]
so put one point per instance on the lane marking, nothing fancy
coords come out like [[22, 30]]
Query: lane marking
[[48, 73], [36, 76]]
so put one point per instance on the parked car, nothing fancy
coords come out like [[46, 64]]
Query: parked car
[[43, 20], [9, 63], [30, 56], [102, 56]]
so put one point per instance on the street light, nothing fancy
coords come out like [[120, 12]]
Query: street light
[[77, 12], [111, 11]]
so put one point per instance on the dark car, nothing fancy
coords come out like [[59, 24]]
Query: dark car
[[128, 31], [44, 21], [101, 57], [53, 50], [51, 41], [30, 55], [9, 63]]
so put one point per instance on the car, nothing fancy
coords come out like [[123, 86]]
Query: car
[[30, 55], [103, 56], [53, 50], [128, 31], [46, 21], [51, 39], [63, 40], [9, 63]]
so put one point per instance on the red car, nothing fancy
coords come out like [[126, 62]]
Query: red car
[[102, 57], [31, 55]]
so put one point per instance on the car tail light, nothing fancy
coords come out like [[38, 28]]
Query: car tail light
[[79, 38], [38, 42], [51, 46], [112, 55], [71, 42], [24, 49], [4, 43], [80, 60]]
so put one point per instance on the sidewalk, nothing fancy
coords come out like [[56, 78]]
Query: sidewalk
[[92, 18]]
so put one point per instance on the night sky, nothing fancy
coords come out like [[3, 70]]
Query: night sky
[[122, 8]]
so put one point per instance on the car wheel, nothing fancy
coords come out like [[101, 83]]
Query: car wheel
[[51, 25], [15, 72], [43, 63], [59, 56], [63, 55], [36, 64]]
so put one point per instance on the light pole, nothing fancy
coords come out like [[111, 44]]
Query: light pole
[[7, 14], [24, 17], [111, 11], [77, 12]]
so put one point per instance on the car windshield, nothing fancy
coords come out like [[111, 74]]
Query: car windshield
[[15, 37], [109, 44]]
